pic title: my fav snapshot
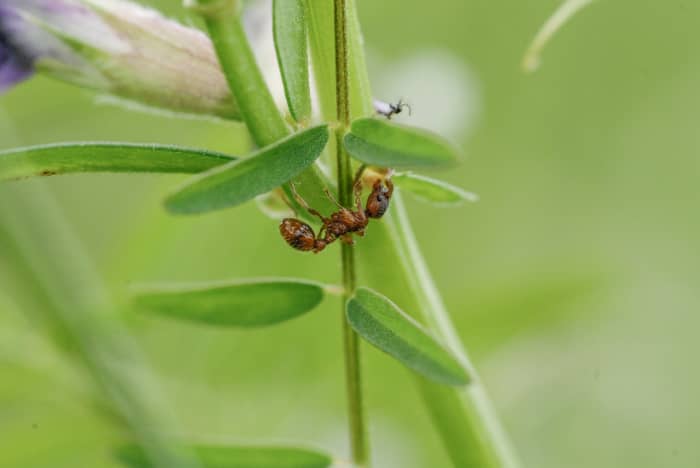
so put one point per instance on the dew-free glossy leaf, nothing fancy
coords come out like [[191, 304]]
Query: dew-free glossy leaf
[[432, 190], [289, 28], [250, 303], [385, 144], [236, 457], [65, 158], [379, 321], [242, 180]]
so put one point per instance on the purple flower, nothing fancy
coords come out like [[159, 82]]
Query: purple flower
[[116, 47], [14, 67]]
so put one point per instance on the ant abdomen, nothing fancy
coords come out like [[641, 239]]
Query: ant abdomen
[[298, 234]]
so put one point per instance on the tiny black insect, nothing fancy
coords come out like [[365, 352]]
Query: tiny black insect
[[388, 109]]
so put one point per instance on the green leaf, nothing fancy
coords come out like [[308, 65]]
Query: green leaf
[[242, 180], [289, 28], [379, 321], [385, 144], [432, 190], [236, 457], [250, 303], [65, 158]]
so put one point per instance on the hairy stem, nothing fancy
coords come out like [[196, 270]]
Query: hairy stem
[[358, 439]]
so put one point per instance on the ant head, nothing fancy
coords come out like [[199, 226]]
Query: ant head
[[378, 200]]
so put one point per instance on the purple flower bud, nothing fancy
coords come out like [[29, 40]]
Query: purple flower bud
[[13, 67], [116, 47]]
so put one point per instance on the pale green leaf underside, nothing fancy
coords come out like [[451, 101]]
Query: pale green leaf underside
[[251, 303], [432, 190], [385, 144], [242, 180], [289, 28], [379, 321], [237, 457], [66, 158]]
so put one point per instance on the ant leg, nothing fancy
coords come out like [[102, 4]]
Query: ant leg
[[389, 186], [357, 189], [303, 203], [322, 231], [357, 186], [332, 198]]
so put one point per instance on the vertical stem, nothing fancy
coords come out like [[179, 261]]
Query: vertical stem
[[73, 297], [464, 417], [358, 440]]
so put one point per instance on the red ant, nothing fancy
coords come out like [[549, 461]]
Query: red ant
[[388, 109], [343, 223]]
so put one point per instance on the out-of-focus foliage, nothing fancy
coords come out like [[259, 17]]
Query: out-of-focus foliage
[[573, 281]]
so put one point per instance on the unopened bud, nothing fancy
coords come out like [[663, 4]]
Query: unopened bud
[[116, 47]]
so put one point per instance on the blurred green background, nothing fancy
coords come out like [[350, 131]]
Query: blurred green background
[[573, 282]]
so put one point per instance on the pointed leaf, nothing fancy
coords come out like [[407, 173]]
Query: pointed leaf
[[382, 143], [289, 28], [242, 180], [65, 158], [252, 303], [236, 457], [379, 321], [432, 190]]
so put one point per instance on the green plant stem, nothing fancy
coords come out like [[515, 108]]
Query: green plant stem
[[266, 125], [465, 417], [358, 438], [258, 109], [41, 245]]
